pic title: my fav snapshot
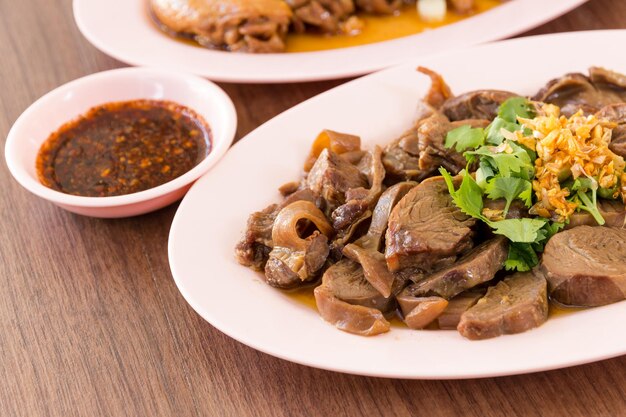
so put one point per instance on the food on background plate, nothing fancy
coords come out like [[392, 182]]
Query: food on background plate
[[489, 208], [123, 147], [265, 26], [235, 25]]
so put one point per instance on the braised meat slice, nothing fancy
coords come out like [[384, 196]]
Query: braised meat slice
[[360, 201], [364, 321], [254, 247], [586, 266], [514, 305], [480, 104], [332, 176], [234, 25], [451, 316], [338, 142], [462, 6], [426, 230], [575, 91], [379, 6], [419, 312], [419, 152], [346, 281], [401, 163], [478, 266], [326, 16], [347, 300], [365, 250], [616, 113]]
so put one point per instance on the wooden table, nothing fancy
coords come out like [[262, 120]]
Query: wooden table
[[91, 323]]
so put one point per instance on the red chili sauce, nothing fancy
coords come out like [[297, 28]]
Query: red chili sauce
[[122, 148]]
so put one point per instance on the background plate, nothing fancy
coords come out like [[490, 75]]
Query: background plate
[[123, 30], [234, 299]]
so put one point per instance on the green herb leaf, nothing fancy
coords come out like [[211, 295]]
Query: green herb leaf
[[589, 204], [484, 172], [509, 188], [493, 131], [586, 196], [506, 163], [546, 232], [522, 257], [465, 137], [527, 196], [469, 197], [516, 107], [519, 230]]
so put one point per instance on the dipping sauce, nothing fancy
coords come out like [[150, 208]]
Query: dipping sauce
[[122, 148]]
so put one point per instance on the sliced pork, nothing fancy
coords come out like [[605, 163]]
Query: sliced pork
[[586, 266], [479, 265], [426, 229], [514, 305], [480, 104]]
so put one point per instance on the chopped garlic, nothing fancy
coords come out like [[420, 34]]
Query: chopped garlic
[[432, 10]]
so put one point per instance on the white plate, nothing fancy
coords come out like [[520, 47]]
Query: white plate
[[123, 30], [212, 217]]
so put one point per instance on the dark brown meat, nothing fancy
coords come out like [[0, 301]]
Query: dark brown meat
[[331, 177], [478, 266], [451, 316], [575, 91], [604, 78], [365, 250], [419, 312], [235, 25], [337, 142], [350, 318], [517, 304], [374, 267], [379, 6], [254, 247], [287, 270], [401, 163], [346, 281], [326, 16], [380, 217], [616, 113], [426, 230], [586, 266], [360, 201], [571, 92], [419, 152], [494, 209], [462, 6], [480, 104], [439, 91]]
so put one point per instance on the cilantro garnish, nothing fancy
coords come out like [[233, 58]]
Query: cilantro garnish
[[505, 171], [465, 137], [516, 107]]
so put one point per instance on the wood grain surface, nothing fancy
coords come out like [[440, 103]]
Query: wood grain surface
[[91, 323]]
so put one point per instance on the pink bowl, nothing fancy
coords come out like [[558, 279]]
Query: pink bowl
[[65, 103]]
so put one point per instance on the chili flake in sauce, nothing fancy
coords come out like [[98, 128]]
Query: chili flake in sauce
[[122, 148]]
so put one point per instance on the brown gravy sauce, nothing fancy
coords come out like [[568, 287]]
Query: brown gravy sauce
[[304, 296]]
